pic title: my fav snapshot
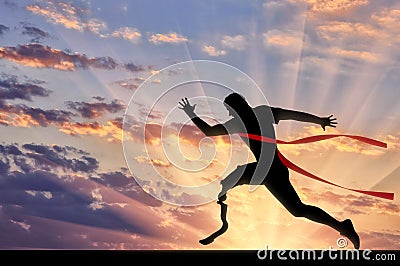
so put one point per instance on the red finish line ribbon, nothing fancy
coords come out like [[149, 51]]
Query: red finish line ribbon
[[290, 165]]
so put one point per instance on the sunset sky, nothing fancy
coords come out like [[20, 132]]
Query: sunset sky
[[69, 71]]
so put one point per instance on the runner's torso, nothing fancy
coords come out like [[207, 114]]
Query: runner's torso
[[262, 125]]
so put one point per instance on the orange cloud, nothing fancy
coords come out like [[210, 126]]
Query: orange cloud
[[237, 42], [40, 56], [111, 130], [4, 119], [155, 162], [127, 33], [151, 133], [388, 18], [30, 60], [96, 26], [333, 6], [59, 13], [354, 54], [393, 142], [280, 38], [212, 51], [335, 30], [23, 120], [173, 38], [71, 16], [188, 134], [23, 116]]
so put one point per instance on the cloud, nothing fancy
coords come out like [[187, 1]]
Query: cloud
[[352, 40], [33, 158], [96, 26], [155, 162], [130, 84], [78, 209], [66, 14], [153, 133], [95, 109], [115, 179], [150, 133], [172, 38], [21, 115], [212, 51], [45, 117], [69, 150], [334, 6], [9, 4], [355, 54], [10, 150], [34, 32], [340, 30], [51, 158], [386, 240], [67, 213], [393, 141], [127, 33], [99, 98], [40, 56], [46, 157], [237, 42], [72, 16], [23, 225], [133, 68], [126, 185], [331, 33], [11, 88], [358, 36], [4, 167], [387, 18], [112, 130], [3, 29], [283, 39]]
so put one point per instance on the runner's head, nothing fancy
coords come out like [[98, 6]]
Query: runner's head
[[235, 104]]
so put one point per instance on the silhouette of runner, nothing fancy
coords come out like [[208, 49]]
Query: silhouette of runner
[[276, 180]]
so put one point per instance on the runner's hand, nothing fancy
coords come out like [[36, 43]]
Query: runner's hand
[[329, 121], [185, 106]]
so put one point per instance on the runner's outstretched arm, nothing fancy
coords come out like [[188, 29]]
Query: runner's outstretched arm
[[285, 114], [208, 130]]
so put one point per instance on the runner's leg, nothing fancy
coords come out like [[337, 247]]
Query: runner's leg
[[278, 183], [241, 175]]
